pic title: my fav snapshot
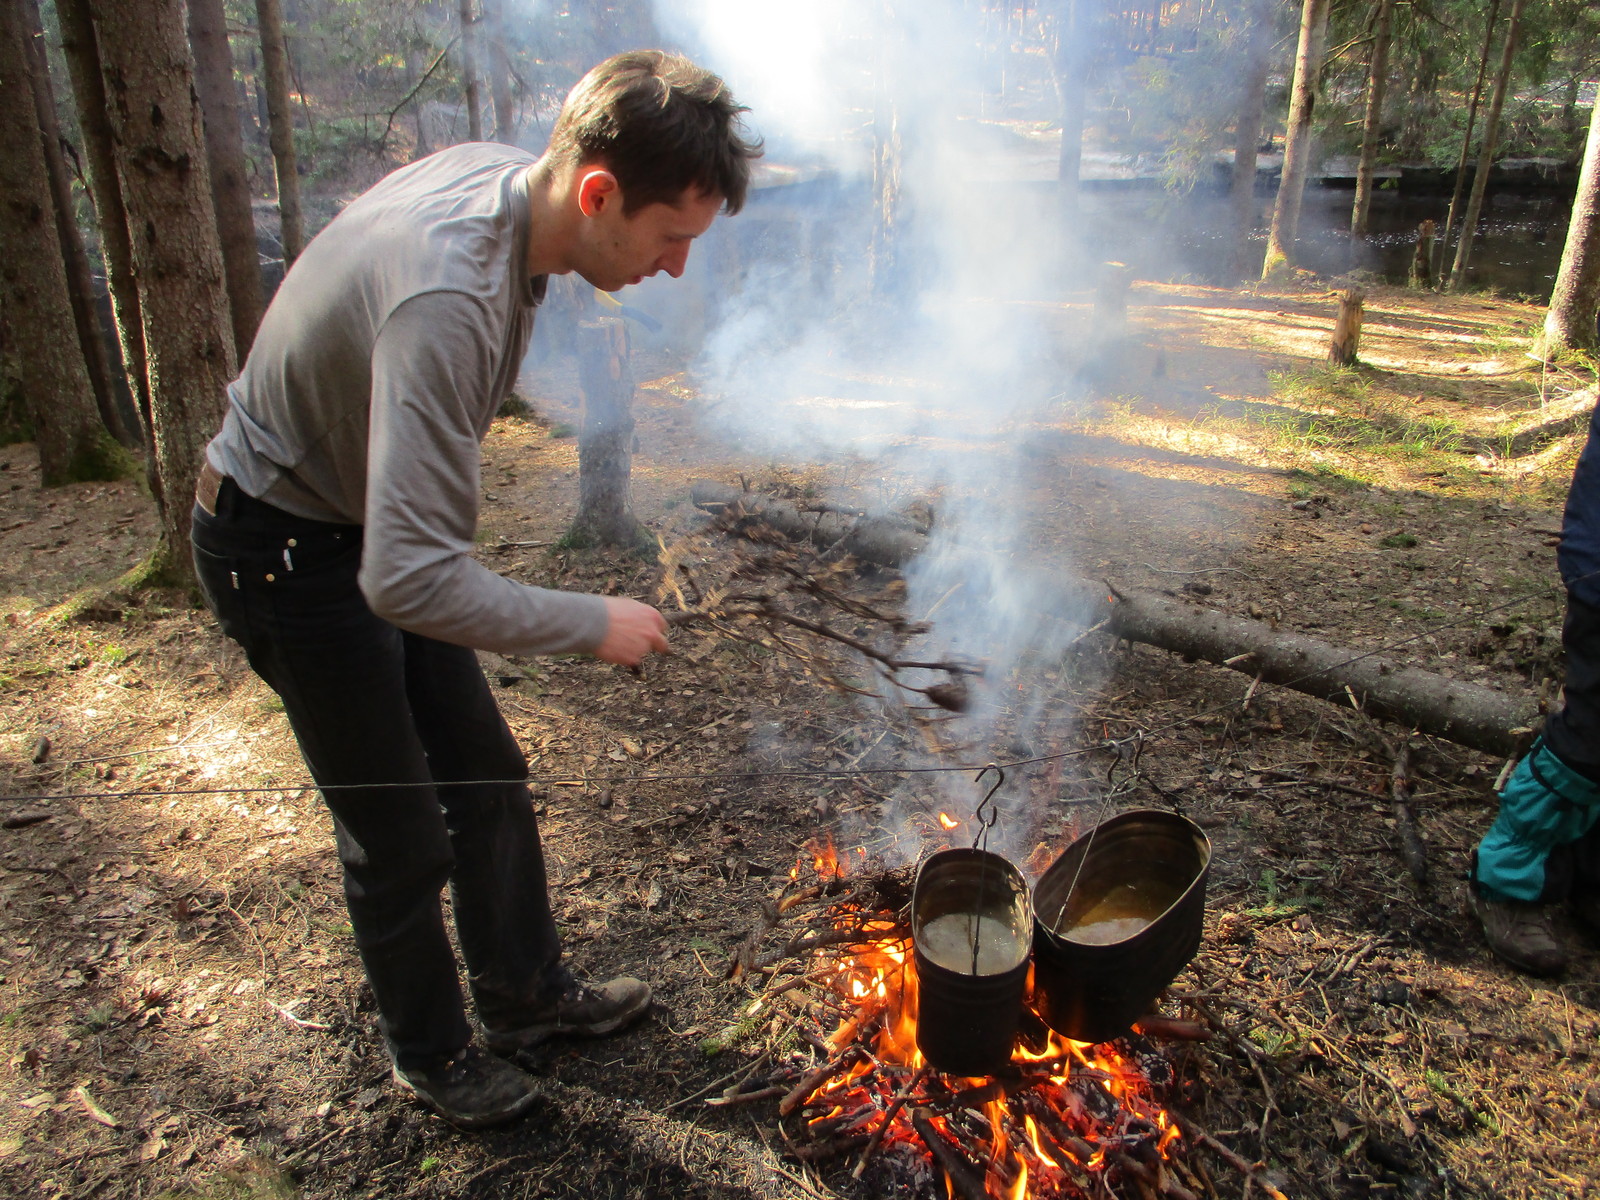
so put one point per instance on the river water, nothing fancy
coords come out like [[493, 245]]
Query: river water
[[1516, 252]]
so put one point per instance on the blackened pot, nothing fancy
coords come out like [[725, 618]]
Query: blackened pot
[[1097, 964], [969, 991]]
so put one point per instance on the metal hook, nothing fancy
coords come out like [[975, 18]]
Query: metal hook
[[986, 814]]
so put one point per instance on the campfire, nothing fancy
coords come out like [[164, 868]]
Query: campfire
[[1060, 1119]]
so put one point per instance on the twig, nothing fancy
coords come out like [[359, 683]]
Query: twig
[[813, 1079], [285, 1011], [1411, 846], [1253, 1172], [388, 126], [889, 1115]]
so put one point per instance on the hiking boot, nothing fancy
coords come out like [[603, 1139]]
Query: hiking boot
[[473, 1090], [578, 1010], [1519, 933]]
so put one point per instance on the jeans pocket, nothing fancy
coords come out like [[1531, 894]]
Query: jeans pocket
[[218, 575]]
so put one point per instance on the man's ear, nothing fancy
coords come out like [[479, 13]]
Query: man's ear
[[597, 188]]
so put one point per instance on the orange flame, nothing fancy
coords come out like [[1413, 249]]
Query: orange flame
[[1090, 1098], [946, 821]]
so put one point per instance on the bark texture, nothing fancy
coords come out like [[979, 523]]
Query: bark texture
[[1441, 272], [1377, 82], [82, 50], [1575, 303], [34, 304], [469, 71], [1297, 139], [499, 61], [1381, 687], [74, 254], [280, 123], [605, 444], [1247, 132], [1491, 144], [230, 189], [161, 171], [1346, 344]]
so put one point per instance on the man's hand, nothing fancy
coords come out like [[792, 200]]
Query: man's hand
[[632, 631]]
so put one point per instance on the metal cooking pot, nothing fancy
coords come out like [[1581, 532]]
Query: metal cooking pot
[[971, 931], [1116, 917]]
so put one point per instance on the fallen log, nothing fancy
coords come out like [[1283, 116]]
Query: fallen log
[[1382, 687]]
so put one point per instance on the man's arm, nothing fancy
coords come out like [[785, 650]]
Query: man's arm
[[433, 374]]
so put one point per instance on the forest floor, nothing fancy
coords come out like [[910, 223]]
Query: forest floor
[[182, 1013]]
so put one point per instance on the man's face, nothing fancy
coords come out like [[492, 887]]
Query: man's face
[[623, 248]]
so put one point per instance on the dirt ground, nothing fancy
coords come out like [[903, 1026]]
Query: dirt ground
[[181, 1010]]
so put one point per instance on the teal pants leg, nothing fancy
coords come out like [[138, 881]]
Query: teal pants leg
[[1544, 805]]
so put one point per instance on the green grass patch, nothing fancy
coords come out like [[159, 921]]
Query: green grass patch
[[1398, 541]]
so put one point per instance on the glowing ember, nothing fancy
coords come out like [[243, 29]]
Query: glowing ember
[[1066, 1119]]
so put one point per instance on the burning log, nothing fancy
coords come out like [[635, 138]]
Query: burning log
[[1382, 687], [815, 1078], [965, 1179]]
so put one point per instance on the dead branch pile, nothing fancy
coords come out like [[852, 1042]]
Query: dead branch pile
[[1380, 686]]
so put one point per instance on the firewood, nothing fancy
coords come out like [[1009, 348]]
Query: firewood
[[1172, 1028], [889, 1115], [815, 1078], [966, 1179]]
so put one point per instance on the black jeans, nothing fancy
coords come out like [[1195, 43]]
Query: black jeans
[[1573, 732], [413, 756]]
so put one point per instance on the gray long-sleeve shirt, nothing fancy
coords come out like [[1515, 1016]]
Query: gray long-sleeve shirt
[[373, 379]]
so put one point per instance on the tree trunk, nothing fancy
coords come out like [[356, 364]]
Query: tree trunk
[[74, 255], [605, 444], [230, 190], [1377, 83], [161, 171], [280, 123], [1078, 21], [1346, 345], [1464, 713], [1421, 273], [494, 25], [887, 154], [1575, 303], [79, 44], [1466, 144], [72, 442], [1247, 132], [469, 72], [1491, 143], [1297, 139]]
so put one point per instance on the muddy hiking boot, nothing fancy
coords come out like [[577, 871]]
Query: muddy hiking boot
[[576, 1010], [1519, 933], [473, 1090]]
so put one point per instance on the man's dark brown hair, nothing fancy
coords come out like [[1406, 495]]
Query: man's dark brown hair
[[661, 125]]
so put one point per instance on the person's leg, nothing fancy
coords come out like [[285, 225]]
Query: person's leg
[[1574, 735], [286, 590], [502, 906], [1548, 808], [501, 899]]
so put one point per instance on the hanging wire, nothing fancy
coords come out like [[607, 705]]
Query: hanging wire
[[854, 773]]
